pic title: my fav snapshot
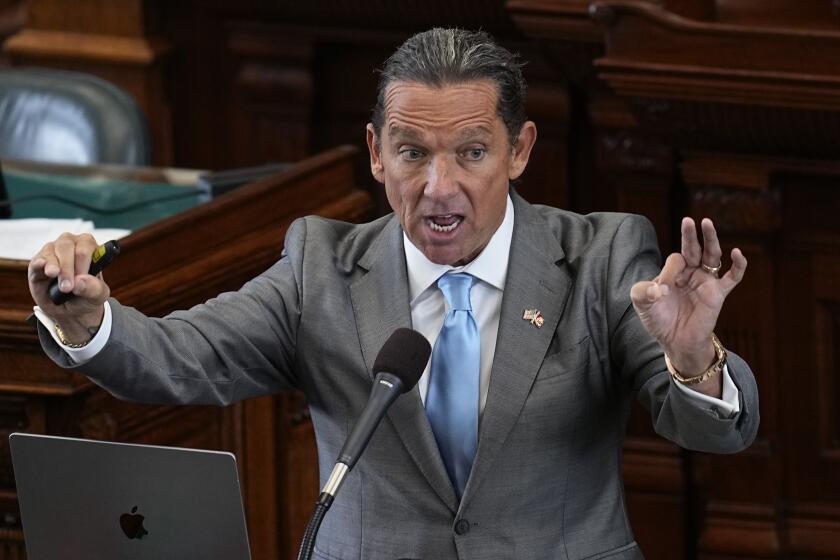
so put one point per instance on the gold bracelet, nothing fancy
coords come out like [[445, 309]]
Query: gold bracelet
[[66, 342], [714, 369]]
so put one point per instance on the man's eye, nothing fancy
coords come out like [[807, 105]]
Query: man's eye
[[411, 154], [475, 154]]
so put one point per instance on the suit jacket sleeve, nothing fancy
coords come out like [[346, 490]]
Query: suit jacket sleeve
[[237, 345], [690, 424]]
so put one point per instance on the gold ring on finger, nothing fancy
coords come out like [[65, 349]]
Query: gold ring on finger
[[713, 270]]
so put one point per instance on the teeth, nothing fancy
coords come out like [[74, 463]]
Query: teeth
[[444, 229]]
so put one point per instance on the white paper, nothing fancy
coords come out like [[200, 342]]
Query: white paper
[[21, 239]]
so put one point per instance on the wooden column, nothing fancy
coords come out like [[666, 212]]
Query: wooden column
[[272, 92], [742, 494]]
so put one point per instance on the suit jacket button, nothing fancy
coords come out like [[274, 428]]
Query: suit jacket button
[[462, 527]]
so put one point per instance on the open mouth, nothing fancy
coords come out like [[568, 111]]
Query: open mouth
[[444, 223]]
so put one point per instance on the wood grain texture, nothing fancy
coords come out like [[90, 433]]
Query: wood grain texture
[[173, 264]]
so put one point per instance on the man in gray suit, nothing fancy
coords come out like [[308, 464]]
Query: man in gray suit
[[573, 317]]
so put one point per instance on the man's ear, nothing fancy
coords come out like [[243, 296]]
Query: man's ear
[[522, 150], [375, 149]]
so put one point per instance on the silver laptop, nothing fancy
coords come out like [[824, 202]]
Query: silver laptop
[[100, 500]]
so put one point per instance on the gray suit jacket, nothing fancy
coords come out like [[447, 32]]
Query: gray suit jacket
[[546, 482]]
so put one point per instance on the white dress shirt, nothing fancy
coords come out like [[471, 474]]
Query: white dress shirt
[[428, 309]]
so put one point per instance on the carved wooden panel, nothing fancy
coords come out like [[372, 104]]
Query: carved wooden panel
[[727, 87], [810, 276], [779, 13], [828, 360], [272, 92], [811, 323], [12, 20]]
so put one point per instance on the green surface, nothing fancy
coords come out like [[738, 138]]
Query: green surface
[[98, 193]]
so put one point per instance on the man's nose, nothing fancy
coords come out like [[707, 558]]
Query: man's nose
[[441, 181]]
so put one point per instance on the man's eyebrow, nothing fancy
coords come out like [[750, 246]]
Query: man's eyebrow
[[403, 133], [474, 133]]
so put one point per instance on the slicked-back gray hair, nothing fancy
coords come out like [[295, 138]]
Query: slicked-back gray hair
[[439, 57]]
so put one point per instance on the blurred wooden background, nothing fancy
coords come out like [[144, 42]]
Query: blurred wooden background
[[722, 108]]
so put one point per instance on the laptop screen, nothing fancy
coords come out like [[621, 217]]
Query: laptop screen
[[92, 499]]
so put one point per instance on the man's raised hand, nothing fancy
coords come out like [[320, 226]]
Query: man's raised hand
[[680, 307]]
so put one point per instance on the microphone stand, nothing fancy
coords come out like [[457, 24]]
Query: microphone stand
[[322, 505], [386, 388]]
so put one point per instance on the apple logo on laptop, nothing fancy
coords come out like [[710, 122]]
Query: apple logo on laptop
[[132, 524]]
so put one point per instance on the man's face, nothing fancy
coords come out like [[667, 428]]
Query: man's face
[[446, 161]]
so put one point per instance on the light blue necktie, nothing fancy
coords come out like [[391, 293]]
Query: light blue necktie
[[452, 398]]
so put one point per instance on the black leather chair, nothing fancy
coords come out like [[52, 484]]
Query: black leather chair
[[69, 117]]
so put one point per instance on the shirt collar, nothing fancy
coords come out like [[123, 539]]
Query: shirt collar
[[489, 266]]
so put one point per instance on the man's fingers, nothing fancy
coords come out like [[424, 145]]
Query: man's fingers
[[36, 269], [645, 293], [51, 267], [71, 255], [47, 263], [674, 265], [42, 269], [65, 253], [85, 246], [690, 248], [638, 293], [711, 245], [735, 273], [90, 288]]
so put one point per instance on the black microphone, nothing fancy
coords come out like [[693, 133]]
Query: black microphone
[[397, 368]]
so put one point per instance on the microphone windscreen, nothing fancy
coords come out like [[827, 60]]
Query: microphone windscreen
[[405, 355]]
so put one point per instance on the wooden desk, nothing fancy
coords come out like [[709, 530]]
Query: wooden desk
[[172, 264]]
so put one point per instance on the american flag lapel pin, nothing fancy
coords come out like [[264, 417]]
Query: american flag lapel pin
[[534, 317]]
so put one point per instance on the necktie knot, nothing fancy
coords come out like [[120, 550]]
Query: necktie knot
[[456, 290]]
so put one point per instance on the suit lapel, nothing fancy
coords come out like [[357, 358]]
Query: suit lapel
[[380, 297], [380, 305], [535, 280]]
